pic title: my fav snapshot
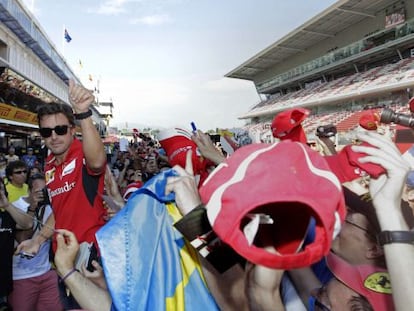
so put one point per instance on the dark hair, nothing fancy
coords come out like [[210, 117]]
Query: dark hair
[[33, 178], [55, 108], [12, 166], [36, 166]]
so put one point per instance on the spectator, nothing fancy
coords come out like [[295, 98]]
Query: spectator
[[35, 170], [395, 237], [11, 156], [151, 169], [34, 281], [30, 159], [16, 173], [354, 287], [10, 217], [356, 243]]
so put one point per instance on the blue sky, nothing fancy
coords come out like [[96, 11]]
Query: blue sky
[[162, 62]]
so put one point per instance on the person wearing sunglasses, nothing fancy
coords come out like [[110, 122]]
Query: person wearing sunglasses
[[35, 284], [74, 170], [16, 173], [11, 218]]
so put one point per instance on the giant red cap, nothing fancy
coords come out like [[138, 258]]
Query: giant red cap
[[367, 280], [286, 181], [287, 124]]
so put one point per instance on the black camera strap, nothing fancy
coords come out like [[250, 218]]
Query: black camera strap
[[38, 217]]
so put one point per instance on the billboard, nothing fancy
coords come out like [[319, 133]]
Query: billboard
[[394, 18]]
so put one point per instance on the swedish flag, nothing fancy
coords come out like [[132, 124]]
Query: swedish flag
[[147, 262]]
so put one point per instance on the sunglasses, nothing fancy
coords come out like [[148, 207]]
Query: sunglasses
[[19, 172], [59, 130]]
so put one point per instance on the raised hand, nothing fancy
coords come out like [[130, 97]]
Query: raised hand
[[80, 98], [388, 187], [67, 249], [184, 186], [207, 148]]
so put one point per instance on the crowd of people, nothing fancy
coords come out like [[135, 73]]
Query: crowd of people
[[173, 223]]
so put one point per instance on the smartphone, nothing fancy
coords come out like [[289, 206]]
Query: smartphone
[[92, 256]]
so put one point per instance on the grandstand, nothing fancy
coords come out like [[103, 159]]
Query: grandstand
[[32, 72], [353, 56]]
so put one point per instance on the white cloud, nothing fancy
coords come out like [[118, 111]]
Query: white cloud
[[151, 20], [166, 103], [112, 7], [227, 84], [145, 101]]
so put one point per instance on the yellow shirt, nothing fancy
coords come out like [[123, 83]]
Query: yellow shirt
[[15, 192]]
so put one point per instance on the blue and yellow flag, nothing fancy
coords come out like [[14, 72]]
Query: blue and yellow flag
[[147, 262]]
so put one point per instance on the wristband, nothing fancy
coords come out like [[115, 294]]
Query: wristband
[[83, 115], [73, 270], [388, 237]]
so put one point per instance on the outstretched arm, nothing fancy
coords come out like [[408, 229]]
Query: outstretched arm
[[93, 148], [22, 219], [87, 294], [386, 195]]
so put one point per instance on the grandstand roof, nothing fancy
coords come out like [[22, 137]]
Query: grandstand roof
[[336, 18]]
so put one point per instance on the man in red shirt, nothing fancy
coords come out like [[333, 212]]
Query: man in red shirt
[[74, 170]]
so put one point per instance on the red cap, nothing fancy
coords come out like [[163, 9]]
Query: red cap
[[132, 187], [287, 181], [369, 120], [287, 124], [346, 166], [369, 281]]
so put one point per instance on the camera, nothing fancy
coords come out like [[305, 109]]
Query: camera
[[46, 200], [326, 130], [389, 116]]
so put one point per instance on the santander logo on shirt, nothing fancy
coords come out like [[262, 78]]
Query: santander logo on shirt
[[66, 188]]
